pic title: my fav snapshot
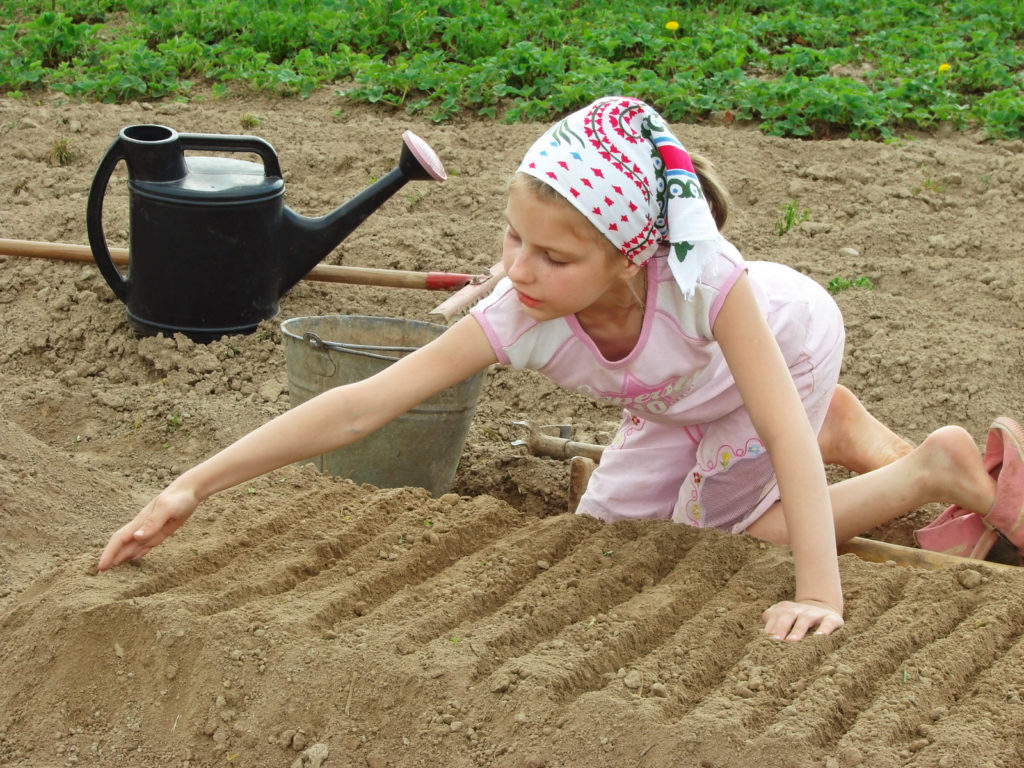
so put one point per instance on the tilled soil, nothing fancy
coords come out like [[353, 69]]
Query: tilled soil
[[305, 620]]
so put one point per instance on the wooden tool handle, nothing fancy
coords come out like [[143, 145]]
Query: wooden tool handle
[[328, 273]]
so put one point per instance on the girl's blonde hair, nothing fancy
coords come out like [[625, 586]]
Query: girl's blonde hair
[[715, 193]]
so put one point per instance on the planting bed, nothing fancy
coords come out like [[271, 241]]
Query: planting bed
[[304, 620]]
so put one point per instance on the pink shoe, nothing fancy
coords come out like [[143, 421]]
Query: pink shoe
[[957, 532], [1006, 444]]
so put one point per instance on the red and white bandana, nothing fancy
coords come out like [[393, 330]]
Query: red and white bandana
[[618, 163]]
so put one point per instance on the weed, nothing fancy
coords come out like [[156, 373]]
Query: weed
[[415, 198], [792, 215], [61, 152], [837, 284], [931, 185], [250, 121]]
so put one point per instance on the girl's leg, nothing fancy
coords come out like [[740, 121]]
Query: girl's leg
[[947, 467], [851, 437]]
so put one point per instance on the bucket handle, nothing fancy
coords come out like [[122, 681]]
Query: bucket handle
[[319, 345]]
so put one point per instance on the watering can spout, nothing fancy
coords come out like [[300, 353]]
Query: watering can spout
[[308, 240]]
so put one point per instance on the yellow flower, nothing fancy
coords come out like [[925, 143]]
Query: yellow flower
[[944, 67], [672, 26]]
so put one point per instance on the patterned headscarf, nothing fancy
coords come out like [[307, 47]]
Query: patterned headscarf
[[618, 163]]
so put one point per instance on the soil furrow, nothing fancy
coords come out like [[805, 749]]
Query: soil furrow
[[939, 674], [972, 723], [579, 657], [586, 585], [392, 562], [259, 540], [513, 575]]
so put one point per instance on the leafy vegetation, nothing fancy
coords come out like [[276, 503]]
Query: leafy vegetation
[[814, 68], [791, 216], [837, 284]]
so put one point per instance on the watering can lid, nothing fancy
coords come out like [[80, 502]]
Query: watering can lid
[[216, 180]]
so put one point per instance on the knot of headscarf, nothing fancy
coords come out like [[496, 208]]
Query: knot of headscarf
[[618, 163]]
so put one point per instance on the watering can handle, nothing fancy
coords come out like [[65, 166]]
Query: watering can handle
[[94, 222], [233, 143]]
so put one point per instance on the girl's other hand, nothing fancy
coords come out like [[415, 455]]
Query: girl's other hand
[[791, 621], [159, 519]]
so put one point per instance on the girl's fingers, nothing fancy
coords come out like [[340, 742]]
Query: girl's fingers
[[804, 622], [148, 529], [792, 621], [121, 540], [829, 624]]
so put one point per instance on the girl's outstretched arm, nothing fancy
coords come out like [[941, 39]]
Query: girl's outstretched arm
[[770, 396], [335, 418]]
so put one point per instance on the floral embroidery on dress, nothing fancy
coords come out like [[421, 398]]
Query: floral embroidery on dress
[[636, 424], [725, 456]]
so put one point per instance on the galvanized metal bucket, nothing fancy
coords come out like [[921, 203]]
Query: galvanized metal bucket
[[420, 448]]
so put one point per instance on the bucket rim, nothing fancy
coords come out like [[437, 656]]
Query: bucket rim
[[404, 320], [313, 340]]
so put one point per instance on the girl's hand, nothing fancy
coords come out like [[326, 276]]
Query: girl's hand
[[159, 519], [791, 621]]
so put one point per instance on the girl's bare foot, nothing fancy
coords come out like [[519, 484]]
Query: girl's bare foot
[[953, 470], [851, 437]]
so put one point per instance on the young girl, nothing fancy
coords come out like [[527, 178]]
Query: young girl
[[619, 284]]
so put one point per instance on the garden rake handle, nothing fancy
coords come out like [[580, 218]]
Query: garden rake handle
[[387, 278]]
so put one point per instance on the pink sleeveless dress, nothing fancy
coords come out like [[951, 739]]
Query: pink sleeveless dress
[[686, 448]]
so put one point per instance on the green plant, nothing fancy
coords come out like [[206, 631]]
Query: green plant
[[61, 152], [250, 121], [795, 69], [792, 215], [837, 284], [930, 184]]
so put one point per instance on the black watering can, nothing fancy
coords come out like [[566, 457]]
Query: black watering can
[[212, 247]]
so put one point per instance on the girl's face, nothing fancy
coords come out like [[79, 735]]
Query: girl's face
[[558, 264]]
